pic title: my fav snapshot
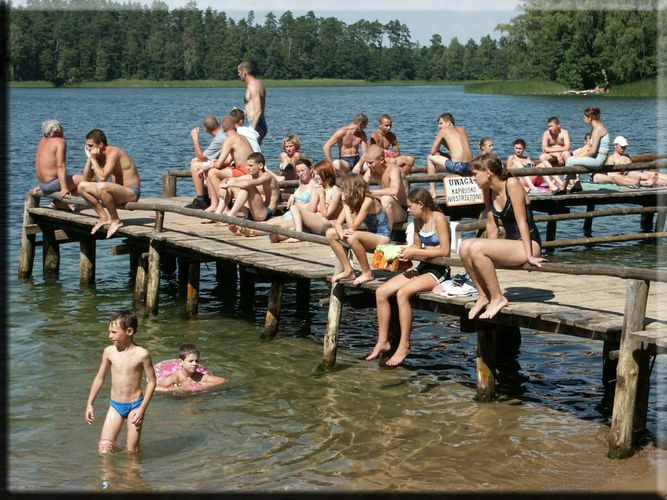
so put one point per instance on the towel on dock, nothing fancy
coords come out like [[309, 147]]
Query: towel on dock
[[386, 257], [460, 286]]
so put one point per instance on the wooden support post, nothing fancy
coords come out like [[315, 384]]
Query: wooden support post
[[168, 186], [486, 381], [273, 310], [660, 222], [141, 279], [588, 223], [247, 283], [333, 323], [630, 375], [302, 295], [87, 261], [27, 248], [192, 303], [50, 254], [153, 278]]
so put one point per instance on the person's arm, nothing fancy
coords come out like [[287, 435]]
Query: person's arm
[[518, 197], [112, 159], [393, 141], [95, 387], [337, 135], [224, 153], [342, 217], [314, 199], [510, 162], [290, 201], [256, 102], [394, 185], [442, 250], [566, 141], [61, 155], [252, 182], [491, 222], [361, 215], [210, 380], [194, 133], [435, 147], [595, 143], [150, 389], [545, 142], [335, 202]]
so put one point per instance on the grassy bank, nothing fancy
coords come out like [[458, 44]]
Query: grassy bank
[[642, 88], [516, 87], [317, 82]]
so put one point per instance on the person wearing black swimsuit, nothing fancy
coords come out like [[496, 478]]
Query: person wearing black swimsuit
[[522, 241]]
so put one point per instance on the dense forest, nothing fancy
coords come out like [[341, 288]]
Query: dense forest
[[65, 41]]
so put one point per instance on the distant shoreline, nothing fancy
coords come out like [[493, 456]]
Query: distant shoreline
[[642, 88]]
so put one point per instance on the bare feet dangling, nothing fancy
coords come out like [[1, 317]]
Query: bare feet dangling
[[99, 224], [363, 278], [342, 276], [113, 227], [494, 307], [477, 308], [380, 347], [399, 356]]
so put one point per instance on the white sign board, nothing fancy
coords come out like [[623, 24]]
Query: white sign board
[[462, 190]]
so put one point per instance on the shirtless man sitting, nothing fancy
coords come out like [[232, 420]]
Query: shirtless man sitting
[[237, 149], [118, 180], [393, 190], [555, 143], [348, 139], [386, 139], [456, 140], [212, 127], [50, 164]]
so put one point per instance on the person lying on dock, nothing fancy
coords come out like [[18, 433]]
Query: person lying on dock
[[186, 375], [535, 184], [197, 165], [108, 162], [393, 193], [634, 178], [505, 201], [431, 239], [303, 198], [257, 193], [349, 139], [555, 143], [595, 156], [231, 162], [329, 204], [50, 165], [359, 207], [386, 139], [290, 154], [456, 140]]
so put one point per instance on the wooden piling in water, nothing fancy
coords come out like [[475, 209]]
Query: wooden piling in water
[[192, 303], [87, 261], [141, 277], [660, 220], [631, 374], [27, 248], [333, 320], [153, 278], [486, 364], [50, 253], [168, 186], [273, 309]]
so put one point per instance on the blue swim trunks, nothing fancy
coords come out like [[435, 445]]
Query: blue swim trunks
[[124, 409], [457, 167], [352, 160], [262, 127], [50, 187], [137, 191]]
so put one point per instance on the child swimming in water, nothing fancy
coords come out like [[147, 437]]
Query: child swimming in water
[[190, 375], [126, 361]]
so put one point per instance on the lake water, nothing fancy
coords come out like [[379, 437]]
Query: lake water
[[281, 425]]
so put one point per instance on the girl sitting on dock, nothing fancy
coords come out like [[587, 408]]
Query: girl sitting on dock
[[291, 153], [595, 156], [328, 203], [359, 207], [431, 239], [504, 200]]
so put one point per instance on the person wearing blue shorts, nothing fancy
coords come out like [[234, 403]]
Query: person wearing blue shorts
[[254, 99]]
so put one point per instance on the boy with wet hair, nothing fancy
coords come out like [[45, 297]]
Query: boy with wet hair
[[126, 361], [555, 143], [189, 376]]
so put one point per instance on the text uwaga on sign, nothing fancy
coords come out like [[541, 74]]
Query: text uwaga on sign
[[460, 190]]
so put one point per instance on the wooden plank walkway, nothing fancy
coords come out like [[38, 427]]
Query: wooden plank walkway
[[590, 307]]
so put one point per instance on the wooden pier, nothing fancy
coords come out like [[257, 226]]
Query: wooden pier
[[619, 307]]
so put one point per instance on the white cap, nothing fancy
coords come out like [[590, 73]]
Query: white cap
[[621, 141]]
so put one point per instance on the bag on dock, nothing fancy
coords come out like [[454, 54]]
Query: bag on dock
[[386, 257]]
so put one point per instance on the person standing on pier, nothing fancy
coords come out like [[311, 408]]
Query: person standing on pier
[[254, 99], [117, 183], [505, 201], [50, 164], [456, 140]]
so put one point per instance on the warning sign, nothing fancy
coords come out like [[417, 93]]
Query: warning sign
[[460, 190]]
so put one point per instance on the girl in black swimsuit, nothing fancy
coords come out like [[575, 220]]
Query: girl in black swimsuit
[[522, 241]]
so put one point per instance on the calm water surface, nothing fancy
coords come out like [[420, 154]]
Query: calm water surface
[[281, 424]]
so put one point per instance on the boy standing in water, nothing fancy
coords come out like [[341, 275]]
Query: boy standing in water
[[127, 362]]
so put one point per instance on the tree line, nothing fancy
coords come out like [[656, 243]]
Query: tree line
[[66, 41]]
